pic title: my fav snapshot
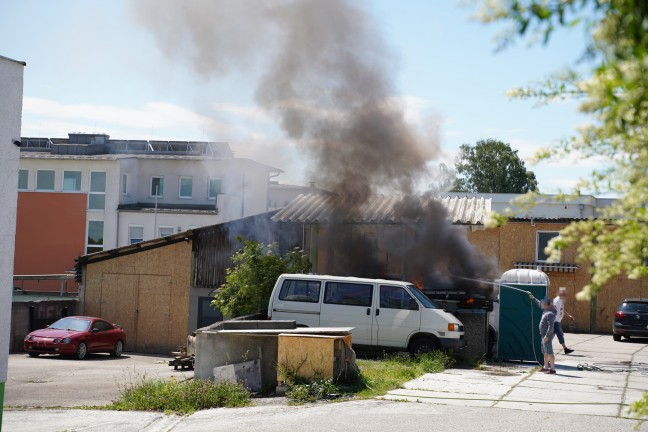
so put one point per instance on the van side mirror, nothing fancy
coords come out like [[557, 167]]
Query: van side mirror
[[413, 305]]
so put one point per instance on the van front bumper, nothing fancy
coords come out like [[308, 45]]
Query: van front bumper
[[452, 343]]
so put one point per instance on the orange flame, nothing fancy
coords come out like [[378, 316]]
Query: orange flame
[[418, 283]]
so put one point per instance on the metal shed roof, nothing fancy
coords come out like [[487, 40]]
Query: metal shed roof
[[379, 209]]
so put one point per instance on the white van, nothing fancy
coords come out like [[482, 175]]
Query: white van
[[382, 312]]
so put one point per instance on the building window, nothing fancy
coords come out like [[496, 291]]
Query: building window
[[185, 187], [135, 234], [23, 179], [542, 240], [157, 186], [95, 236], [97, 195], [71, 181], [45, 180], [124, 185], [165, 231], [215, 185]]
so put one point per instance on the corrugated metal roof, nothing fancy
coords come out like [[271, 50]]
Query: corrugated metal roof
[[379, 209]]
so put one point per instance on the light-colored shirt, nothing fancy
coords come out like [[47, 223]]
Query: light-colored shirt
[[559, 304]]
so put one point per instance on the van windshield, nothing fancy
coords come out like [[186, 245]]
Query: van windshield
[[426, 302]]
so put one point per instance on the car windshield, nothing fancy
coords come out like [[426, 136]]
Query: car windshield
[[75, 324], [634, 307], [426, 302]]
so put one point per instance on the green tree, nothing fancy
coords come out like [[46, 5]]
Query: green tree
[[491, 166], [255, 269], [614, 92]]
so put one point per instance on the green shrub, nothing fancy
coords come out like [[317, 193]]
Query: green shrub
[[180, 396], [311, 392], [255, 269]]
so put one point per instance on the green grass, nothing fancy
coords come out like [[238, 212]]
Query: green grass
[[377, 377], [179, 396]]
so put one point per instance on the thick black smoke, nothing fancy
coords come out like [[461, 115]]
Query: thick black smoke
[[327, 77]]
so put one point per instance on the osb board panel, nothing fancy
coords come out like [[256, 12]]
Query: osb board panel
[[611, 296], [578, 309], [487, 241], [172, 262], [92, 292], [308, 357], [153, 313], [119, 293]]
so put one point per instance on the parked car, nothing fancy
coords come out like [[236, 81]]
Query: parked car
[[76, 336], [382, 313], [631, 319]]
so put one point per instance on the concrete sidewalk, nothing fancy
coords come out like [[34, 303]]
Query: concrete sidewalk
[[523, 387]]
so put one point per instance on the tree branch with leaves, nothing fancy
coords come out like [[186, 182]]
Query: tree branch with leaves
[[614, 93]]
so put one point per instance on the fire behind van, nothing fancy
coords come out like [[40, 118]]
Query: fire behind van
[[382, 313]]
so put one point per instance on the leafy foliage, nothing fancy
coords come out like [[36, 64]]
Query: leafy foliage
[[302, 392], [249, 282], [615, 95], [491, 166], [179, 396]]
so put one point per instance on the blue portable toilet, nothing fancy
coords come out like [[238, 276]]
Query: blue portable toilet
[[518, 336]]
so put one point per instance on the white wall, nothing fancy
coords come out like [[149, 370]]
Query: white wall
[[547, 206], [11, 94], [147, 221]]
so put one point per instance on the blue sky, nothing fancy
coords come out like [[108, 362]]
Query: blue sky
[[92, 67]]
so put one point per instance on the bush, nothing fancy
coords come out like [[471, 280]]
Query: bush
[[182, 397], [249, 282], [311, 392]]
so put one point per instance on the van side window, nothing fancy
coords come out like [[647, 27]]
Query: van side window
[[393, 297], [300, 291], [349, 294]]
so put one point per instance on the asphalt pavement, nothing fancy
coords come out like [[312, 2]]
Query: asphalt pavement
[[498, 397]]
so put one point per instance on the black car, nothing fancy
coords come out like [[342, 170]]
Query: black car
[[631, 319]]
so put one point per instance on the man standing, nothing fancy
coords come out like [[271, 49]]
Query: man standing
[[559, 304], [546, 328]]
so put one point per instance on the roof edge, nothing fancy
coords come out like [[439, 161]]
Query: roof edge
[[12, 60]]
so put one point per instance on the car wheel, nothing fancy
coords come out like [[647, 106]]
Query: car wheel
[[32, 354], [424, 344], [119, 348], [82, 351], [616, 337]]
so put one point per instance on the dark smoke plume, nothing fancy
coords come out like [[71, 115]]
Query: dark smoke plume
[[328, 79]]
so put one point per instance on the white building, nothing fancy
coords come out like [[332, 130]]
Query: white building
[[138, 190], [11, 94]]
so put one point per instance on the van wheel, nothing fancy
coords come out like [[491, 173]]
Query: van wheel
[[616, 337], [424, 344]]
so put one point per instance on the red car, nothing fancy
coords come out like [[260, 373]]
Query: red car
[[76, 336]]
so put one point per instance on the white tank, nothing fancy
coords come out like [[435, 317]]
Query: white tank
[[525, 276]]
